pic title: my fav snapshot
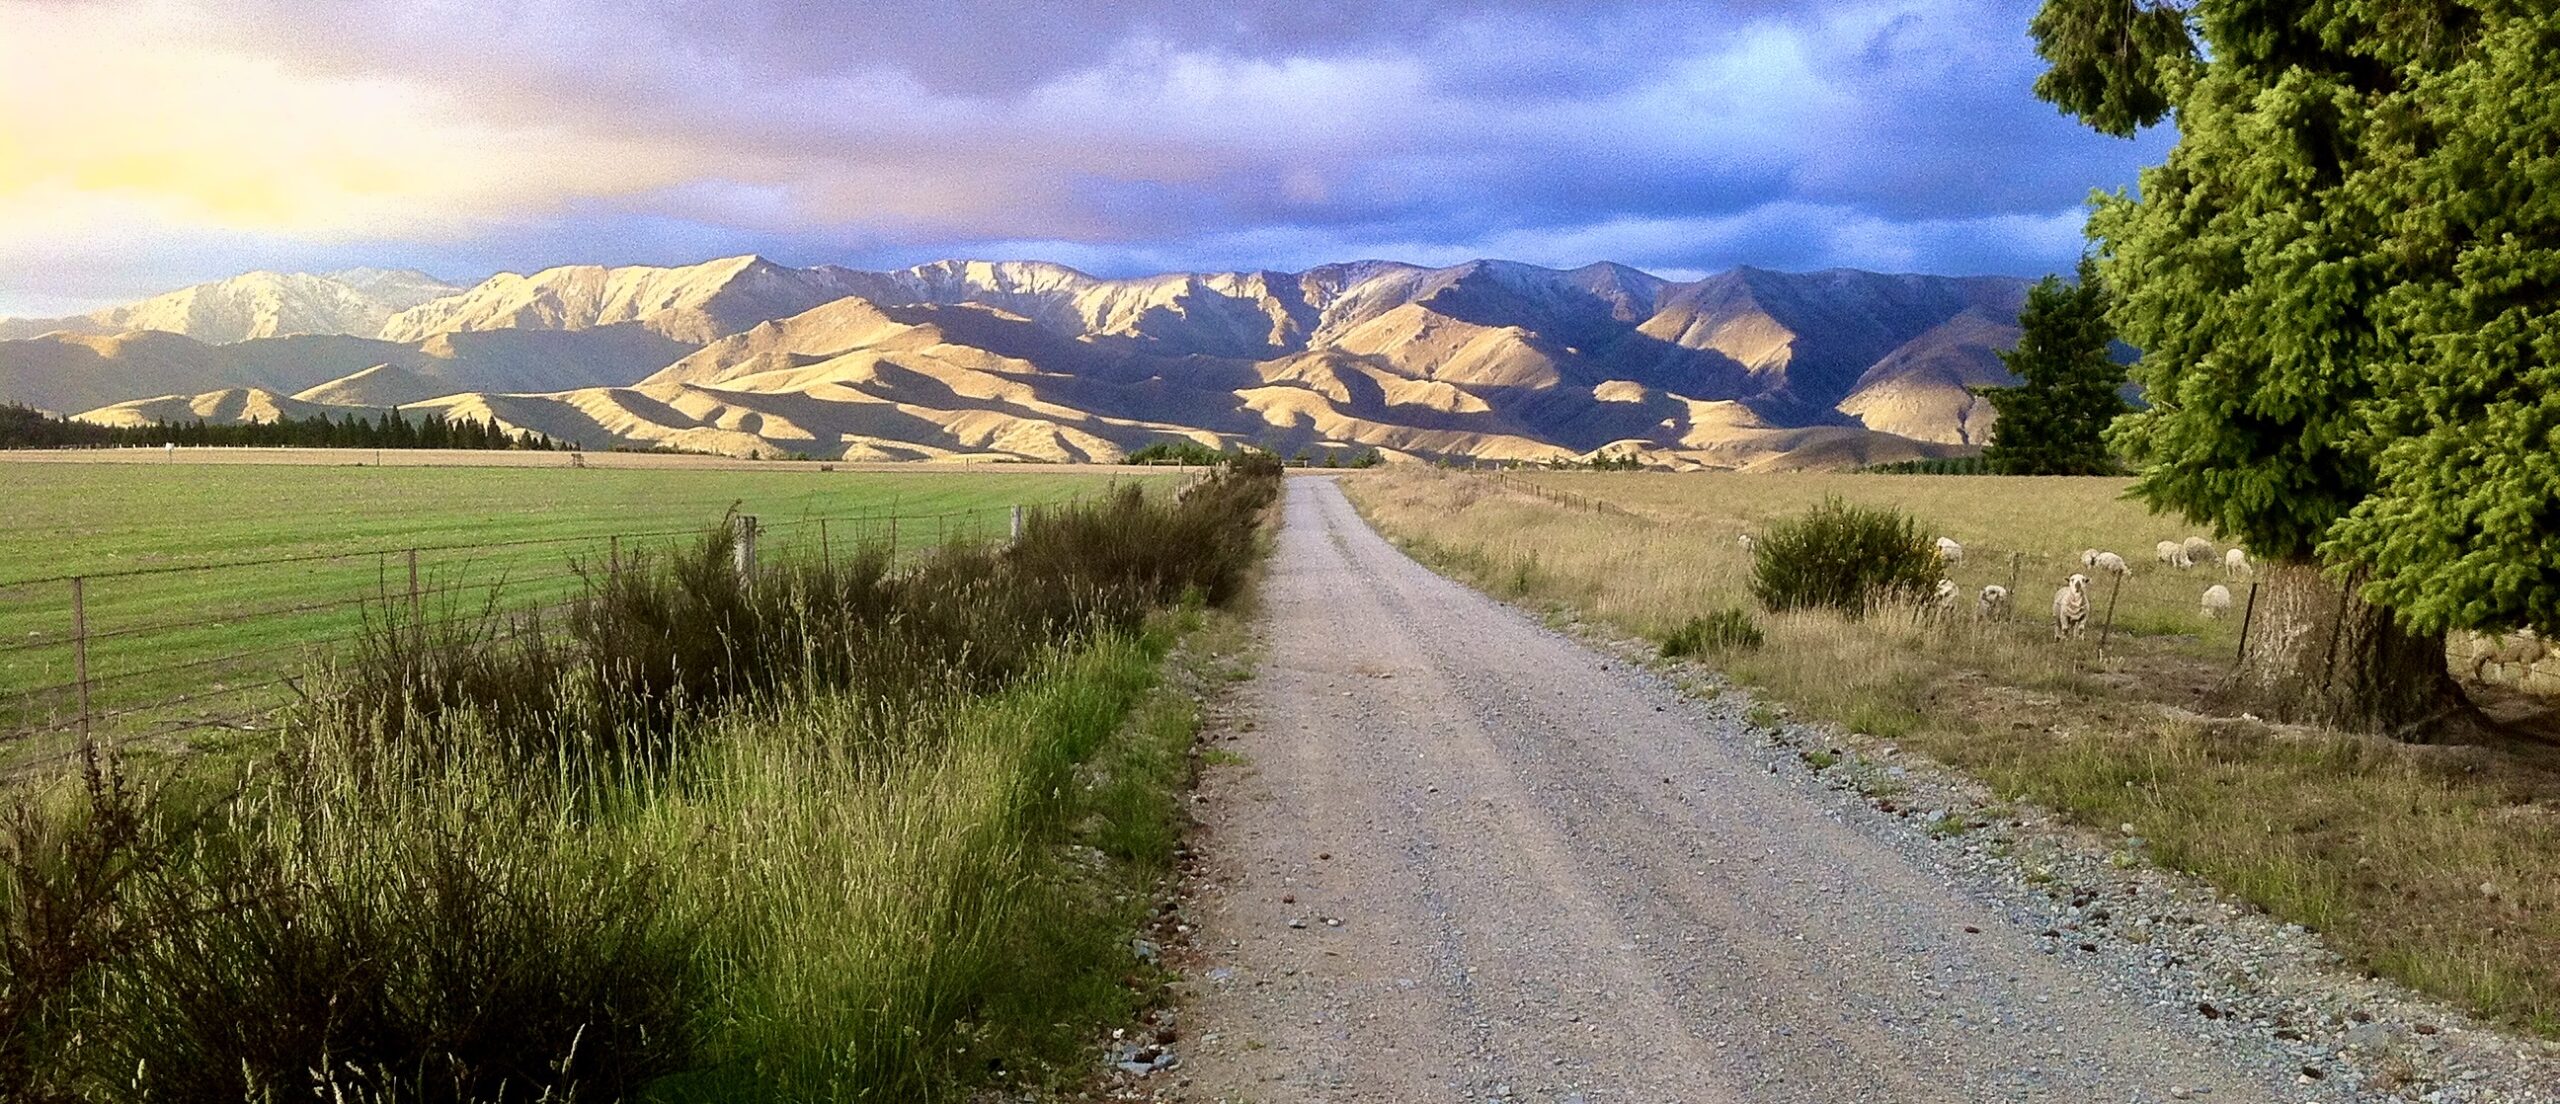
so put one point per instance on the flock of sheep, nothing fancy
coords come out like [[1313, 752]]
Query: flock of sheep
[[2071, 603]]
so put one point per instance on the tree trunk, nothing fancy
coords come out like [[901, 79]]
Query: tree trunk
[[2318, 654]]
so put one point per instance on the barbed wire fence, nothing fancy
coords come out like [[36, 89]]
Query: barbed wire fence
[[146, 656]]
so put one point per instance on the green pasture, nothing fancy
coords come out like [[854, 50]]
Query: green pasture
[[204, 647]]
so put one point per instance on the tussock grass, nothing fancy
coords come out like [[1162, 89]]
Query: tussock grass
[[838, 834], [2385, 847]]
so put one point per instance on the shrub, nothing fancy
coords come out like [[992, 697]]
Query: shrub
[[1724, 630], [1842, 557]]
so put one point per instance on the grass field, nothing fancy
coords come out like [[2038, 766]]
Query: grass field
[[166, 620], [2384, 846]]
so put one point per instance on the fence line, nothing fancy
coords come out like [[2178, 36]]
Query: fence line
[[248, 655]]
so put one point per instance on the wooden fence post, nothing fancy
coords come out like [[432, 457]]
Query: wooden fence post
[[2246, 614], [746, 549], [2109, 628], [415, 598], [80, 647], [1016, 534]]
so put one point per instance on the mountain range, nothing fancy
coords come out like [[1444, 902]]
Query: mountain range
[[1748, 368]]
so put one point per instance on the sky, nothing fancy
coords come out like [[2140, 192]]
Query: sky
[[149, 144]]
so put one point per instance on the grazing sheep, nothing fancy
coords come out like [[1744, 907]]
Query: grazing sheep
[[1949, 552], [2088, 557], [2217, 601], [2112, 564], [2235, 563], [2523, 648], [1943, 600], [1992, 603], [2169, 553], [2199, 551], [2071, 608]]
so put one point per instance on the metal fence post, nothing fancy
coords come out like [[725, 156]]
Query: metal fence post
[[80, 647], [746, 550]]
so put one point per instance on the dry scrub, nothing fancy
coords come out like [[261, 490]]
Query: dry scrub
[[2436, 866]]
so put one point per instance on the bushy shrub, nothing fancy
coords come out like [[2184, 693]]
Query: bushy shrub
[[1842, 557], [1724, 630]]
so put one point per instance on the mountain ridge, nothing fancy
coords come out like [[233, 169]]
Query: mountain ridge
[[1037, 360]]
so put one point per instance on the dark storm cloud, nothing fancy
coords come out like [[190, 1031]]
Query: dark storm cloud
[[1123, 136]]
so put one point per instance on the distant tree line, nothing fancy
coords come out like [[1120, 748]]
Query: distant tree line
[[1940, 465], [25, 427]]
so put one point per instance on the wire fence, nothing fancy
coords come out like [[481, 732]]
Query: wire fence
[[158, 654]]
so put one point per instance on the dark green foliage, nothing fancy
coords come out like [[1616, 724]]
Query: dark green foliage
[[2341, 282], [2114, 62], [2462, 526], [462, 968], [1842, 557], [26, 427], [2054, 422], [1179, 450], [1944, 465], [1724, 630]]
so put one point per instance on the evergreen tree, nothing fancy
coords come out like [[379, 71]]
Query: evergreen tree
[[2266, 274], [2055, 421]]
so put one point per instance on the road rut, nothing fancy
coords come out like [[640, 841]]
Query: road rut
[[1465, 858]]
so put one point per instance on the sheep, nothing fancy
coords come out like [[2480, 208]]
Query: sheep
[[2235, 563], [2199, 551], [2112, 564], [1949, 552], [2217, 601], [1748, 543], [2071, 607], [2088, 557], [1992, 603], [2169, 553], [1943, 600], [2523, 648]]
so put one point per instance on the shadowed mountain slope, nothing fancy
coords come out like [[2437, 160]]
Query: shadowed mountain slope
[[1030, 360]]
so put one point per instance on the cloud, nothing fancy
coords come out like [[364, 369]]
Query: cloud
[[518, 133]]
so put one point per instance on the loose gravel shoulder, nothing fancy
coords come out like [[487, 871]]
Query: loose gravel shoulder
[[1455, 855]]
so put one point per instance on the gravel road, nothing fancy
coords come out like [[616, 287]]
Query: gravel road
[[1464, 858]]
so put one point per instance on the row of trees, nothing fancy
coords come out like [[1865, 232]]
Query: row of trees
[[26, 427], [2345, 286]]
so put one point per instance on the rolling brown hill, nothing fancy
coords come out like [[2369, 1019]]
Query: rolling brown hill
[[1027, 360]]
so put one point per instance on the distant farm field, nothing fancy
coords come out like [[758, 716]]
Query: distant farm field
[[204, 585], [2439, 866]]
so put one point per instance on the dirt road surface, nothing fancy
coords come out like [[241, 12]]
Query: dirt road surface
[[1464, 858]]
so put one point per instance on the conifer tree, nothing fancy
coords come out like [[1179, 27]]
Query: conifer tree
[[2054, 422]]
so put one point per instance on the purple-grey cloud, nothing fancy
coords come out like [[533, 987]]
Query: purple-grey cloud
[[1154, 134]]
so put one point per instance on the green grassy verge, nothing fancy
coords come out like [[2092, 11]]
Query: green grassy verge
[[222, 637]]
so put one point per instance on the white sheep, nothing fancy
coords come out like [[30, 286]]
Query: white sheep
[[2088, 557], [1992, 603], [2071, 607], [1748, 543], [2169, 553], [1943, 599], [2198, 550], [1949, 552], [2235, 563], [2217, 601], [2112, 564]]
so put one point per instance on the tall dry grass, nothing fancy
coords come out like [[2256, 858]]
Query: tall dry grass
[[2436, 866], [836, 834]]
